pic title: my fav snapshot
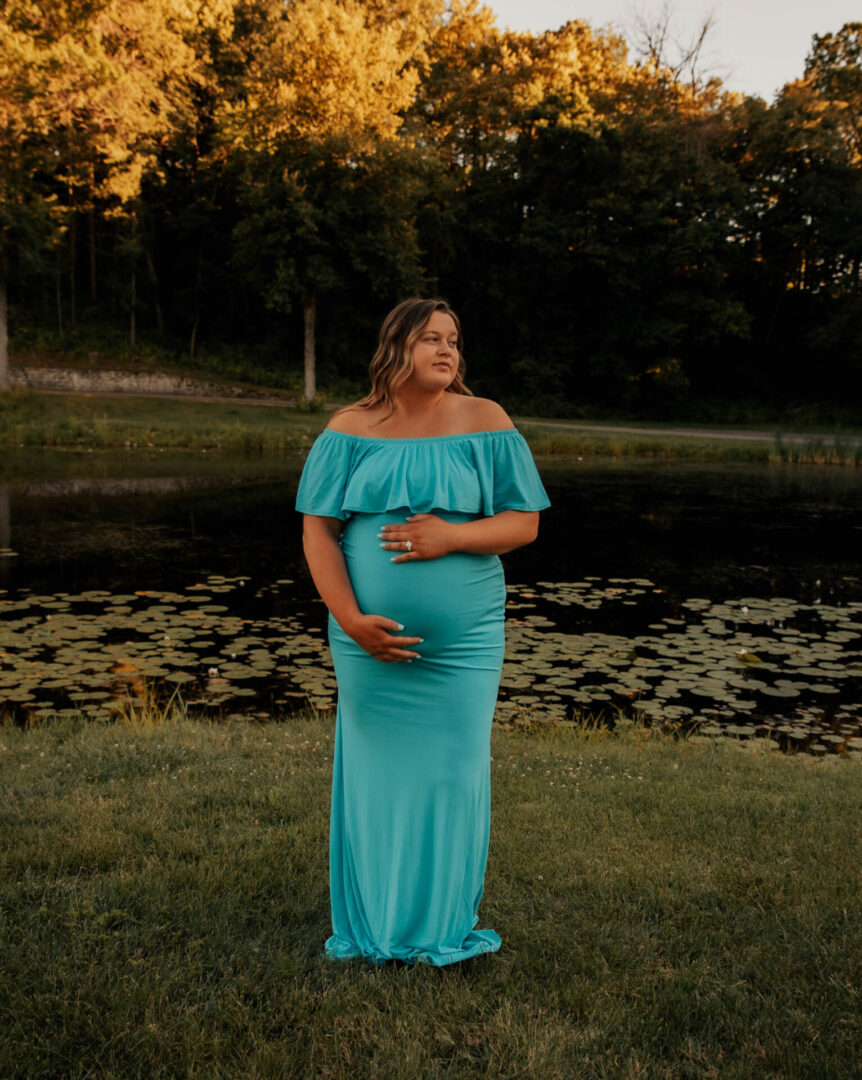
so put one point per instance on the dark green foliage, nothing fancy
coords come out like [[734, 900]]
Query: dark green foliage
[[667, 258]]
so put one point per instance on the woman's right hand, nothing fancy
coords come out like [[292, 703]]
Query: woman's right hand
[[372, 633]]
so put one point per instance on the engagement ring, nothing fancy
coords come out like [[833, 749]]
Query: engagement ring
[[408, 545]]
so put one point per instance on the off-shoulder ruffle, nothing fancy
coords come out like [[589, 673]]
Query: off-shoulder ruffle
[[481, 472]]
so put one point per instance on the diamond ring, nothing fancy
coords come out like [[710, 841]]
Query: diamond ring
[[408, 545]]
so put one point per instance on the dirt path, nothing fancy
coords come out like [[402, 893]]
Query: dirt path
[[700, 433], [284, 403]]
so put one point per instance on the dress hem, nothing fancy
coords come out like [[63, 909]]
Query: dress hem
[[483, 941]]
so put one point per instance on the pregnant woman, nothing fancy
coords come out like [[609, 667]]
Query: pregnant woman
[[409, 497]]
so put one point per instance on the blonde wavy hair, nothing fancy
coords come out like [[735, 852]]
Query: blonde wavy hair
[[392, 364]]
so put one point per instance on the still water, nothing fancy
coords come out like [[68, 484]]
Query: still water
[[715, 598]]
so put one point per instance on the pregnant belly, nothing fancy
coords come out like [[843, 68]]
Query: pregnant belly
[[455, 602]]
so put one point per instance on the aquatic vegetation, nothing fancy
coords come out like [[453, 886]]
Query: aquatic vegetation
[[95, 652], [818, 450], [600, 651], [751, 666]]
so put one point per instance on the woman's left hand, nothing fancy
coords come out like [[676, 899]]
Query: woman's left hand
[[429, 536]]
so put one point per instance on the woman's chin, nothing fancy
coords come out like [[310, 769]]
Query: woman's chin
[[432, 383]]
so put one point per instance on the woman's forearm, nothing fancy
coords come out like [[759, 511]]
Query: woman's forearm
[[496, 535]]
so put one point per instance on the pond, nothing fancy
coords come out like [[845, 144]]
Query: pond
[[722, 599]]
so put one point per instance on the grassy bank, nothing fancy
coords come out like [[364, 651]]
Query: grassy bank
[[586, 444], [814, 449], [139, 422], [136, 422], [668, 909]]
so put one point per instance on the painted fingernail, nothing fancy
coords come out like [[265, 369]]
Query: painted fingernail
[[401, 626], [383, 546], [419, 642], [394, 557]]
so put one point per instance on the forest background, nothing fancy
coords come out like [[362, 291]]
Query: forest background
[[249, 185]]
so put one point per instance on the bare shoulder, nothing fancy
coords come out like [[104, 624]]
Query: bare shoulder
[[351, 420], [486, 415]]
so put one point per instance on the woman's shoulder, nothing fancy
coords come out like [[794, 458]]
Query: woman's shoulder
[[483, 414], [351, 420], [466, 414]]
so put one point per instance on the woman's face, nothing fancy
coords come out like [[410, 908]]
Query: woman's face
[[435, 354]]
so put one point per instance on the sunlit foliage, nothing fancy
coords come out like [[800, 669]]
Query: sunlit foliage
[[224, 174]]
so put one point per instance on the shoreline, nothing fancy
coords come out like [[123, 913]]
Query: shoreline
[[119, 420]]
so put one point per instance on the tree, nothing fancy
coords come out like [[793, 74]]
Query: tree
[[482, 88], [28, 205], [673, 61], [834, 69], [321, 95], [92, 91], [316, 226], [800, 235]]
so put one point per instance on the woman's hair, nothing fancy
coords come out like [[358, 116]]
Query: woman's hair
[[392, 364]]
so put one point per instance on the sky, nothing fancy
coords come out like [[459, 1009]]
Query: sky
[[756, 46]]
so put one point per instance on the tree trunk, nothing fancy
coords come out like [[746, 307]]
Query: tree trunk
[[73, 258], [133, 283], [91, 230], [308, 311], [4, 336], [151, 266], [59, 303], [133, 290], [198, 280]]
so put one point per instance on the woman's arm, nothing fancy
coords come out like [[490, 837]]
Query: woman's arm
[[329, 573], [432, 536], [496, 535]]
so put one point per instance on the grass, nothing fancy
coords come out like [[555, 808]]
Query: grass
[[816, 449], [137, 422], [584, 443], [819, 450], [669, 909]]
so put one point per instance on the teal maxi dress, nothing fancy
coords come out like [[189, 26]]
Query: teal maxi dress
[[410, 812]]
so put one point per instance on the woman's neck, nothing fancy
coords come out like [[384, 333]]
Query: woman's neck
[[413, 405], [418, 415]]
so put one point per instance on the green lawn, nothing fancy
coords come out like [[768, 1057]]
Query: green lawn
[[586, 443], [668, 909], [139, 422]]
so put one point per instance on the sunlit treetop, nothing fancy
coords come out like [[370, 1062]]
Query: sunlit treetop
[[328, 69]]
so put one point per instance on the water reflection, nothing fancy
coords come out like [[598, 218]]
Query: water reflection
[[6, 554]]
